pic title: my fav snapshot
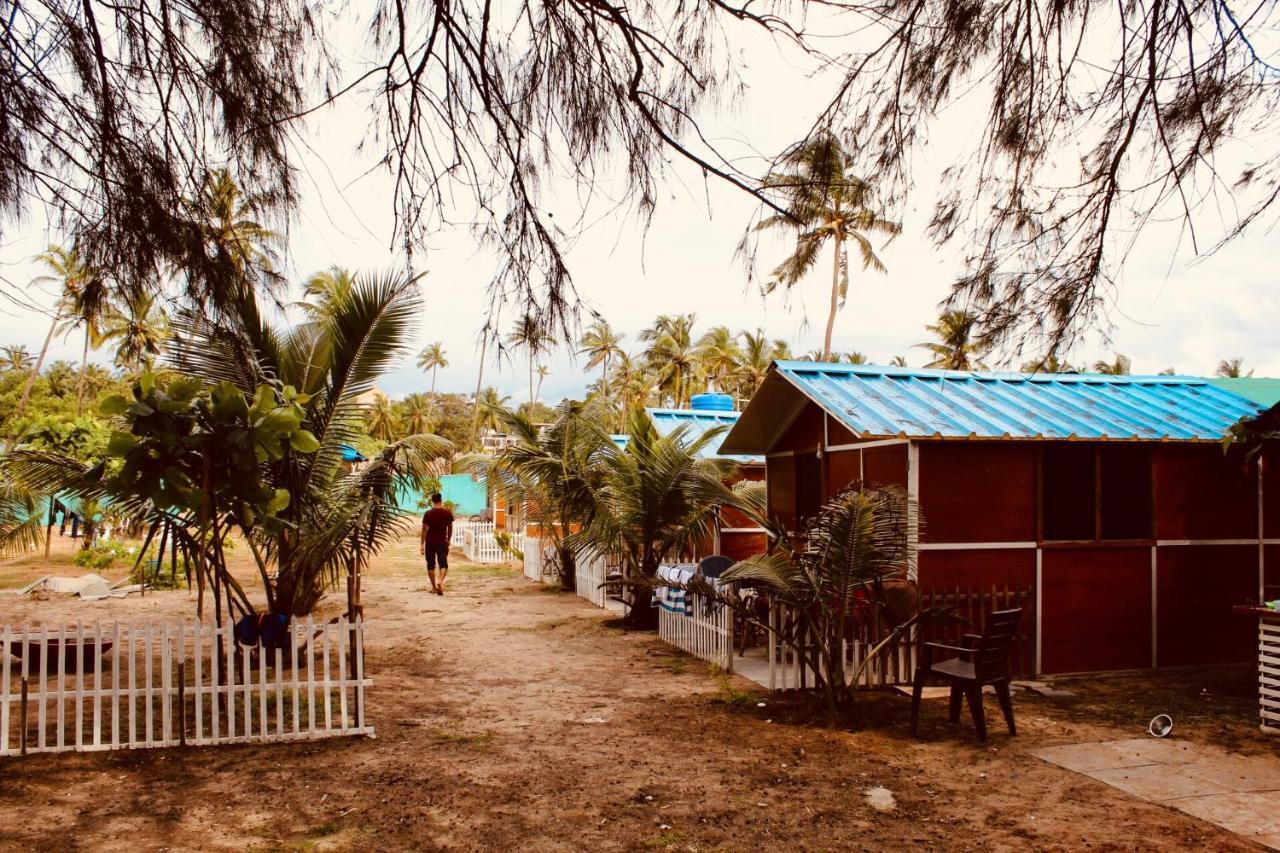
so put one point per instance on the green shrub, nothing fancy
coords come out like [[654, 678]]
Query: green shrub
[[105, 555]]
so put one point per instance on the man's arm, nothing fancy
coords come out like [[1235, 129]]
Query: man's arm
[[422, 538], [448, 531]]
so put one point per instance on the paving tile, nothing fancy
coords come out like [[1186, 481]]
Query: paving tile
[[1237, 772], [1158, 782], [1249, 814], [1087, 757]]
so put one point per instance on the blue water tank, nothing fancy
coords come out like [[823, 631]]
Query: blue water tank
[[711, 402]]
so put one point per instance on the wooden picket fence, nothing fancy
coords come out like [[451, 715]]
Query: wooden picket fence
[[589, 573], [705, 632], [460, 529], [140, 686]]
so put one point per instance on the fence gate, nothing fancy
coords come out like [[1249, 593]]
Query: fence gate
[[144, 685]]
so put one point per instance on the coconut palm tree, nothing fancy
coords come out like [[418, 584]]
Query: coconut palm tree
[[719, 356], [418, 414], [1049, 364], [77, 283], [898, 361], [671, 355], [381, 419], [600, 344], [1120, 366], [1232, 368], [757, 355], [554, 473], [324, 290], [491, 403], [84, 302], [138, 328], [954, 348], [16, 359], [631, 383], [543, 372], [432, 358], [854, 358], [659, 497], [782, 350], [825, 202], [243, 248], [530, 336]]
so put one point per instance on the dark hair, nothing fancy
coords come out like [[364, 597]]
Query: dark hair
[[436, 497]]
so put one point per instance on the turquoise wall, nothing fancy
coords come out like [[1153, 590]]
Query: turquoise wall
[[469, 496]]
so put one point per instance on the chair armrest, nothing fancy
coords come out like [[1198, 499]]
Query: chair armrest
[[968, 639], [946, 648]]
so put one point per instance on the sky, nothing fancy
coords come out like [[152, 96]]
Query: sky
[[1171, 309]]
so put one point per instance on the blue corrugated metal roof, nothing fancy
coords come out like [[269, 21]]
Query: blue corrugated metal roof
[[896, 401], [697, 422]]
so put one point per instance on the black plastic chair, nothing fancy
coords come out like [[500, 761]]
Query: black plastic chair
[[982, 660], [715, 565]]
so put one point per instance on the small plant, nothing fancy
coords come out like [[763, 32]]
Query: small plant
[[503, 538]]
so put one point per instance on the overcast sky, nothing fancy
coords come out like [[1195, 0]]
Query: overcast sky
[[1172, 310]]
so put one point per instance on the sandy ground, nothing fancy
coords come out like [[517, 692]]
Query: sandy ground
[[511, 717]]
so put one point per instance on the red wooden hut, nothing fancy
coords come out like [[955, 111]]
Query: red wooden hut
[[1109, 497]]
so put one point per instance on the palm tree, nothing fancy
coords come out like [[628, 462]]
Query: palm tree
[[1119, 367], [632, 385], [16, 359], [955, 348], [241, 245], [854, 358], [530, 336], [600, 344], [825, 202], [898, 361], [76, 282], [139, 328], [659, 496], [543, 372], [325, 290], [1049, 364], [820, 356], [490, 405], [381, 419], [670, 355], [432, 358], [719, 356], [554, 473], [418, 414], [1232, 368], [757, 355], [782, 350], [84, 302]]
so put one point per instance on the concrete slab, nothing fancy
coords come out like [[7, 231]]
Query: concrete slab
[[1239, 793], [1156, 782], [1116, 754], [1248, 814], [1237, 772]]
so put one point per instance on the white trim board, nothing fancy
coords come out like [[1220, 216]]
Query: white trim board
[[867, 445]]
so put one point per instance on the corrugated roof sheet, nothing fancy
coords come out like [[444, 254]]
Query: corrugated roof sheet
[[1263, 390], [894, 401], [667, 420]]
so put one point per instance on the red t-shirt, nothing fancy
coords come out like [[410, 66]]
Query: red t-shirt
[[437, 520]]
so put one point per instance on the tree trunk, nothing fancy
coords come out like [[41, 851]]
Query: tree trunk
[[835, 298], [475, 414], [84, 368], [35, 374], [531, 396]]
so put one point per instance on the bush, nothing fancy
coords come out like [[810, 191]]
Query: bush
[[104, 556]]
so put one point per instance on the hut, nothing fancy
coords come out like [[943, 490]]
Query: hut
[[1110, 499]]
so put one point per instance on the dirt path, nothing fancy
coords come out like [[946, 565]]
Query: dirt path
[[512, 717]]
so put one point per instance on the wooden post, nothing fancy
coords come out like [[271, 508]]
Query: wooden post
[[22, 718], [182, 703]]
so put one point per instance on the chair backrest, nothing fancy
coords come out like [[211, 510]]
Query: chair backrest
[[991, 655], [715, 565]]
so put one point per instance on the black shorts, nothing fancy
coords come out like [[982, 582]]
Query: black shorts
[[437, 553]]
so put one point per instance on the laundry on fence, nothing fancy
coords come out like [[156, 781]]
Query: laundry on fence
[[675, 600]]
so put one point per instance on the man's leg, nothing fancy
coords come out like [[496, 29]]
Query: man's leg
[[444, 565], [431, 568]]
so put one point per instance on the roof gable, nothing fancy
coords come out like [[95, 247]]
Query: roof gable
[[880, 402]]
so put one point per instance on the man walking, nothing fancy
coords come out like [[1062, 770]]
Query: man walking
[[437, 530]]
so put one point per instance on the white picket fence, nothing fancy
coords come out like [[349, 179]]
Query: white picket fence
[[589, 573], [706, 632], [539, 561], [460, 529], [139, 686], [479, 544]]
